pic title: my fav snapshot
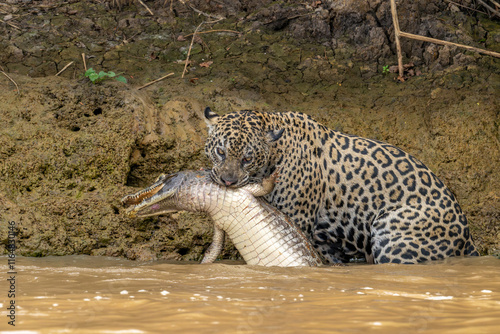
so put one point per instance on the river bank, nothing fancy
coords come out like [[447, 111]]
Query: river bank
[[70, 149]]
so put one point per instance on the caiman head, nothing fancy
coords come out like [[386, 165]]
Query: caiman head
[[161, 196]]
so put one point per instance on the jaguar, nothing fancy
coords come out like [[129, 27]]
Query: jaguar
[[353, 197]]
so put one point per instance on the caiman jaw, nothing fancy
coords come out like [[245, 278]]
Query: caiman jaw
[[147, 198], [141, 195]]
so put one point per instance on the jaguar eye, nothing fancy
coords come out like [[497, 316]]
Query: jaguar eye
[[220, 152], [247, 160]]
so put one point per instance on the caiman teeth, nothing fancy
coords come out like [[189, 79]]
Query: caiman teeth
[[138, 198]]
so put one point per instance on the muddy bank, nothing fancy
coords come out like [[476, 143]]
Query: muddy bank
[[69, 149], [39, 39], [72, 149]]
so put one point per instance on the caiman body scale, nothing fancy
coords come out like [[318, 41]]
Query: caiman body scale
[[262, 235]]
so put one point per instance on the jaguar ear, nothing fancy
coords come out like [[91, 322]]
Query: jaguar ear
[[210, 117], [274, 135]]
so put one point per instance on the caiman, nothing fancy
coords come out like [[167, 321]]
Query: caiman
[[262, 235]]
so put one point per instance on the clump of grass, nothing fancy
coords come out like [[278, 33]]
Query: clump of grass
[[99, 77], [385, 70]]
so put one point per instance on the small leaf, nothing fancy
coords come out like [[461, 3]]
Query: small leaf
[[121, 79], [110, 74], [89, 71], [93, 76]]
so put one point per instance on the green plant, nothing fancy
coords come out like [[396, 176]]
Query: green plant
[[385, 69], [98, 77]]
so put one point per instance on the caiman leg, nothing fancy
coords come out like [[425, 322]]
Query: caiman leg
[[256, 189], [264, 188], [215, 247]]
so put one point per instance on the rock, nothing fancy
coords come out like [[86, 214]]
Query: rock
[[444, 56]]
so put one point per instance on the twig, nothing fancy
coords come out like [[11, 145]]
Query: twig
[[65, 67], [171, 4], [217, 18], [495, 12], [17, 87], [469, 8], [155, 81], [438, 41], [397, 33], [11, 24], [216, 30], [495, 3], [149, 10], [84, 62], [190, 47], [127, 40]]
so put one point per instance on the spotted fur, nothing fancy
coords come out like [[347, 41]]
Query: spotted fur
[[353, 196]]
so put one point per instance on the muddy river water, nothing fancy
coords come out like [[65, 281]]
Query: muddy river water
[[83, 294]]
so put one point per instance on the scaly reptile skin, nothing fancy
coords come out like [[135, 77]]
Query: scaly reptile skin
[[262, 234]]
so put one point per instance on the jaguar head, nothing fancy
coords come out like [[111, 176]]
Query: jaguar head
[[238, 146]]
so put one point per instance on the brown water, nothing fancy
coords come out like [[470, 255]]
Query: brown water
[[81, 294]]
